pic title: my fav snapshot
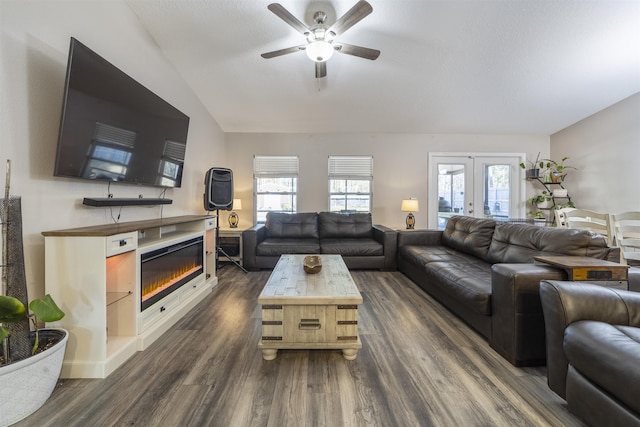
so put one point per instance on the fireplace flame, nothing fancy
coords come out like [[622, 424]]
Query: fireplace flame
[[171, 278]]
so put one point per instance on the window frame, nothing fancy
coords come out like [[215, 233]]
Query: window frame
[[274, 168], [349, 169]]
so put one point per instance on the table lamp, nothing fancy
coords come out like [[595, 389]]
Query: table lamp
[[410, 205], [233, 216]]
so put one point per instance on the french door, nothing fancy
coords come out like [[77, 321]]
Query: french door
[[479, 185]]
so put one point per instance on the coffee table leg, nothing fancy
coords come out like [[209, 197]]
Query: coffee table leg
[[269, 353], [349, 353]]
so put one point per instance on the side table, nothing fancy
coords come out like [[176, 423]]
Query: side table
[[230, 240], [591, 270]]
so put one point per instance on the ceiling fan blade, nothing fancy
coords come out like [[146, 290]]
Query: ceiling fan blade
[[281, 52], [321, 70], [287, 17], [352, 17], [362, 52]]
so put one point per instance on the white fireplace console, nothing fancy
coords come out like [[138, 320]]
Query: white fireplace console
[[93, 273]]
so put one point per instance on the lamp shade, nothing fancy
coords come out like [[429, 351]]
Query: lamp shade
[[410, 205], [237, 204], [319, 51]]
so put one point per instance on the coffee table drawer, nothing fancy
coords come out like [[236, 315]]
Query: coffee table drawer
[[310, 323], [305, 323]]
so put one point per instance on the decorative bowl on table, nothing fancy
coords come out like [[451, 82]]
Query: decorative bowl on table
[[312, 264]]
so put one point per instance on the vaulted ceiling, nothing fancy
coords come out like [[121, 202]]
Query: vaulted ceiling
[[446, 66]]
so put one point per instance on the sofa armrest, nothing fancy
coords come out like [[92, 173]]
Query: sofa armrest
[[517, 322], [250, 239], [419, 238], [567, 302], [388, 237]]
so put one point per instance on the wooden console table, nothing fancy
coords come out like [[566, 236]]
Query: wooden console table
[[587, 269]]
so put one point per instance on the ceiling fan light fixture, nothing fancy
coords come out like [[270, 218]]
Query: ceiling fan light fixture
[[319, 51]]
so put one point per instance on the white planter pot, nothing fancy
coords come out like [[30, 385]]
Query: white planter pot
[[26, 385], [544, 205]]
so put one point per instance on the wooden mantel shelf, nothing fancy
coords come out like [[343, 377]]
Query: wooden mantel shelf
[[124, 227]]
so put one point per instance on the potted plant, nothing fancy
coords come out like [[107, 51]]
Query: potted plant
[[13, 311], [557, 170], [568, 204], [31, 360], [540, 201], [538, 217], [26, 384], [533, 168]]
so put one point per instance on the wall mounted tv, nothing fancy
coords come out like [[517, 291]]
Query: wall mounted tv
[[114, 129]]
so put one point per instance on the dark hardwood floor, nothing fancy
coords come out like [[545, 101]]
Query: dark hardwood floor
[[419, 366]]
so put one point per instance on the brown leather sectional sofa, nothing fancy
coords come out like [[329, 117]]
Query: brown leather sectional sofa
[[484, 272]]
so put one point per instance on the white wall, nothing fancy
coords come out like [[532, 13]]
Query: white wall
[[34, 43], [605, 148], [399, 162]]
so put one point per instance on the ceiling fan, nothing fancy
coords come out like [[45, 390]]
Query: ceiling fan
[[321, 37]]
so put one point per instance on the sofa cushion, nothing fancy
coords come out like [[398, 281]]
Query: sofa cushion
[[336, 225], [519, 243], [273, 246], [351, 247], [608, 355], [469, 283], [298, 225], [420, 255], [469, 235]]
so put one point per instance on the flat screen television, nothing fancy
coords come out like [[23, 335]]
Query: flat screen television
[[114, 129]]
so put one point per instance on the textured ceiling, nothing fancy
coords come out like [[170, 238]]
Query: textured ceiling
[[447, 66]]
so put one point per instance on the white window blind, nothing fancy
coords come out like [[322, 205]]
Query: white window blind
[[351, 167], [274, 166]]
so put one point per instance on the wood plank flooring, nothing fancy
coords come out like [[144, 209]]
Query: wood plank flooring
[[419, 366]]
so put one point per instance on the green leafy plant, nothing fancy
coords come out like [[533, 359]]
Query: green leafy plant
[[539, 198], [557, 168], [13, 311], [538, 164]]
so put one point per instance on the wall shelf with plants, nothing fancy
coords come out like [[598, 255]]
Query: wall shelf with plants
[[554, 196]]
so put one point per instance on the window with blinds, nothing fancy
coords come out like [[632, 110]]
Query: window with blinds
[[350, 183], [276, 185]]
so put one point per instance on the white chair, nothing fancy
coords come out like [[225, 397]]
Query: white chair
[[626, 227], [585, 219], [561, 220]]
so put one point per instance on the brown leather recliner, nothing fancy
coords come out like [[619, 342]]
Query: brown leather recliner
[[593, 350]]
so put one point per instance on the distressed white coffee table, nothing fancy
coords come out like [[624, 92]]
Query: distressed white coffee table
[[310, 311]]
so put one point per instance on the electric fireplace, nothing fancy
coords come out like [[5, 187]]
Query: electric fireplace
[[165, 270]]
